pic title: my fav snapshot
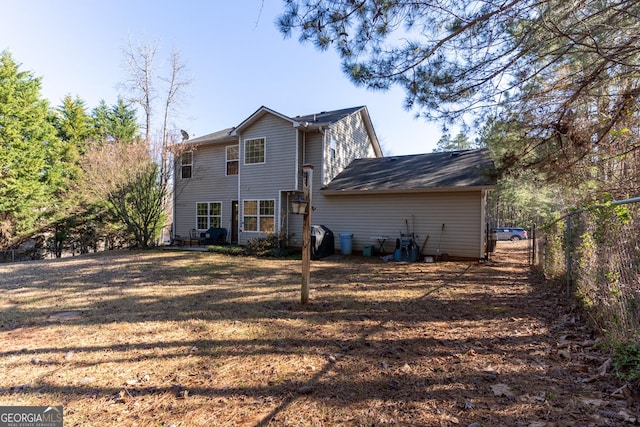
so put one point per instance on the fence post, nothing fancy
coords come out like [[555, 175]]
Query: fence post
[[568, 263], [487, 241], [533, 242]]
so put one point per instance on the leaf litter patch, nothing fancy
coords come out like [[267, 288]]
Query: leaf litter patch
[[65, 316]]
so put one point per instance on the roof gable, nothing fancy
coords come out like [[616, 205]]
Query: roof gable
[[305, 122], [420, 172], [260, 112], [327, 118]]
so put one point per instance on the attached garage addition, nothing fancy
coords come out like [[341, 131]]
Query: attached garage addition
[[438, 197]]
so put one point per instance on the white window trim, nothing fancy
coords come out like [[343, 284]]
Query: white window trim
[[244, 151], [333, 149], [182, 165], [258, 216], [226, 157], [208, 216]]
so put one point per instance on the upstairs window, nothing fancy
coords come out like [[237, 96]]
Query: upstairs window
[[254, 151], [186, 163], [233, 154]]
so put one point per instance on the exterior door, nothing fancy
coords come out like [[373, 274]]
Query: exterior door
[[234, 222]]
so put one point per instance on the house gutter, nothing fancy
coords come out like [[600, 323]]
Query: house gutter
[[365, 191]]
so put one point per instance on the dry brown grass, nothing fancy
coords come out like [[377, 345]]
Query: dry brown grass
[[198, 339]]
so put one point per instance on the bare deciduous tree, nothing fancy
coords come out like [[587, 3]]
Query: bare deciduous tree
[[145, 85], [139, 63], [126, 179], [175, 86]]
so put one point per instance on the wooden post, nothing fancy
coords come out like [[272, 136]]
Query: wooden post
[[307, 178]]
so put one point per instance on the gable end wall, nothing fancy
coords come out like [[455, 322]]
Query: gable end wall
[[352, 142]]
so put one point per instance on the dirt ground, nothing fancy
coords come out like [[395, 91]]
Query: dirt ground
[[200, 339]]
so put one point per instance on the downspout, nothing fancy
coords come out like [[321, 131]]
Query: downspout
[[297, 126], [295, 179], [240, 205], [288, 213], [297, 161], [323, 156], [484, 237], [304, 149], [278, 212], [175, 189]]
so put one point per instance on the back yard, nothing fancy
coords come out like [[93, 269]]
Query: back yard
[[193, 339]]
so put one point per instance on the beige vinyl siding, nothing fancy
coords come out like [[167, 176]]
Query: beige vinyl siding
[[264, 181], [209, 183], [291, 223], [311, 146], [351, 142], [368, 216]]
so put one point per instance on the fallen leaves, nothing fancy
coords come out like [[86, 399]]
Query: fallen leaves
[[200, 339], [502, 390]]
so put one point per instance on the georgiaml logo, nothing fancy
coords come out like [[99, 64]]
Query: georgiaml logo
[[33, 416]]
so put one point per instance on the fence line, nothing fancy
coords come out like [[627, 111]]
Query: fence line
[[596, 254], [13, 255]]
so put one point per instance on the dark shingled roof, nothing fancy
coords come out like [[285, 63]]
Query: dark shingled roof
[[327, 117], [420, 172], [309, 121], [219, 136]]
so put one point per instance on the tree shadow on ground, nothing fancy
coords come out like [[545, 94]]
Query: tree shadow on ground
[[413, 344]]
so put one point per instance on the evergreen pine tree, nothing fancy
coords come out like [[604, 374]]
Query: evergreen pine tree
[[31, 171]]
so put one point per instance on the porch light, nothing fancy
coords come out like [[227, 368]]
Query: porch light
[[299, 205]]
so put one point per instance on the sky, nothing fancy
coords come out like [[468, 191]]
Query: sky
[[237, 61]]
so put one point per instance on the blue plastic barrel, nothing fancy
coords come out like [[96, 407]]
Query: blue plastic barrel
[[346, 240]]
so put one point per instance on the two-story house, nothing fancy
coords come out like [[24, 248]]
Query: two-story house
[[243, 179]]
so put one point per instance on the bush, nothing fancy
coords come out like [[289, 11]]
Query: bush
[[270, 246], [626, 361], [228, 250]]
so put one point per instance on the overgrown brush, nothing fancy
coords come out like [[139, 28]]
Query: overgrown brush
[[602, 271], [270, 246]]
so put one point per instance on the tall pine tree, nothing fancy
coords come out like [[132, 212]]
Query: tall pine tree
[[116, 123], [31, 171]]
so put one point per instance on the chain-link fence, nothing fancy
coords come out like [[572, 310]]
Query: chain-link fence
[[595, 253], [14, 255]]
